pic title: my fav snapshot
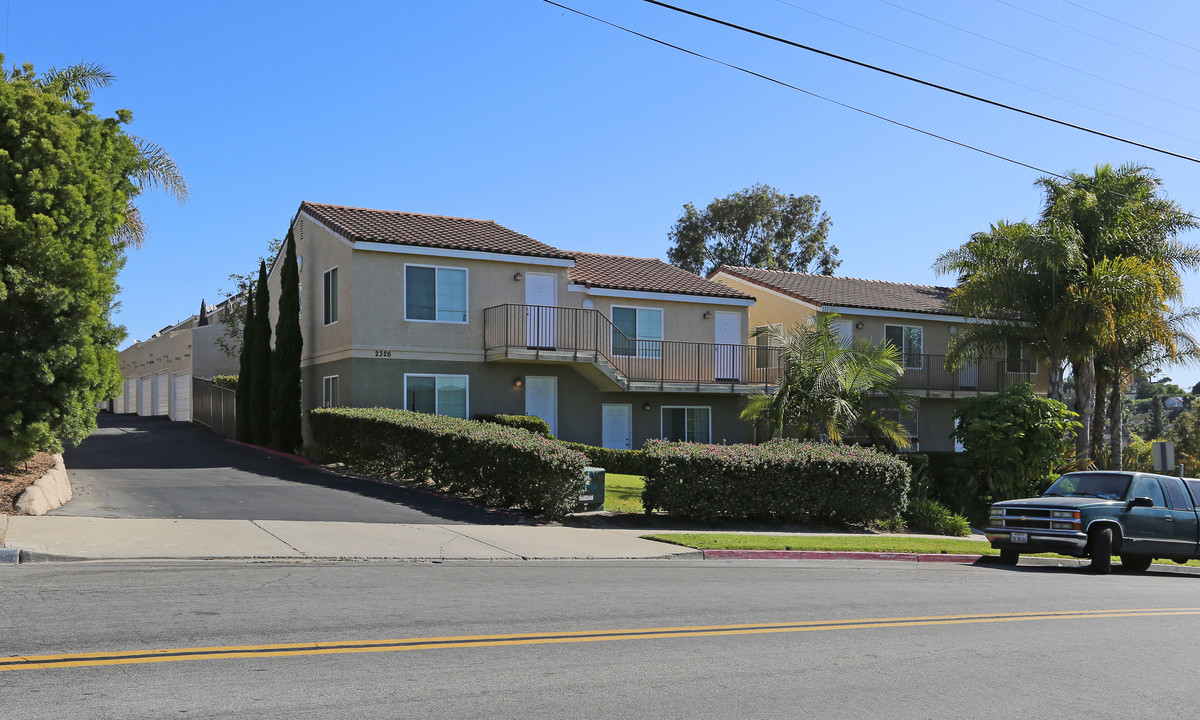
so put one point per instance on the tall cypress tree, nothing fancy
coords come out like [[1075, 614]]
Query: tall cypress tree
[[285, 371], [246, 371], [260, 362]]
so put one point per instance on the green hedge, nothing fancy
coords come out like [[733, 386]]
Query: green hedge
[[498, 465], [624, 462], [781, 481], [532, 423]]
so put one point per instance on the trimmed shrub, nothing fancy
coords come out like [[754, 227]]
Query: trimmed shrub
[[225, 381], [613, 460], [503, 466], [781, 481], [930, 516], [532, 423]]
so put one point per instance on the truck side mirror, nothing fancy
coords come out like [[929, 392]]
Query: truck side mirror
[[1139, 502]]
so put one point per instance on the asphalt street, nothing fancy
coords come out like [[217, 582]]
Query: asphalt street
[[149, 467], [654, 639]]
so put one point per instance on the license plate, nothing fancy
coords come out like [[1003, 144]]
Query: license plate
[[1019, 537]]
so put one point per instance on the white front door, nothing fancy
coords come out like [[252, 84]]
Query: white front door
[[541, 399], [729, 340], [541, 297], [616, 423]]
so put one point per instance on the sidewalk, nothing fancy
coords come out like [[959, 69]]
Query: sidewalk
[[85, 538]]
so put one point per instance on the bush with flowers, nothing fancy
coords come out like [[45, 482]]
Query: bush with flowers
[[778, 481], [498, 465]]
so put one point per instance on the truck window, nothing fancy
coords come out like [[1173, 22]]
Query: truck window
[[1176, 494], [1149, 487], [1194, 488]]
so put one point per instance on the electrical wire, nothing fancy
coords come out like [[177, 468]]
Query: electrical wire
[[770, 79], [868, 113], [1097, 37], [1042, 57], [985, 73], [1135, 27], [910, 78]]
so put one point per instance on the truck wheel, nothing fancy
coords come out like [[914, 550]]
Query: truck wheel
[[1009, 557], [1101, 551], [1136, 563]]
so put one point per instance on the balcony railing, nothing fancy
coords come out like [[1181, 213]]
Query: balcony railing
[[929, 372], [586, 335], [580, 334]]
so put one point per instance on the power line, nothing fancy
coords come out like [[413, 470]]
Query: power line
[[1097, 37], [868, 113], [770, 79], [919, 81], [1135, 27], [984, 72], [1042, 57]]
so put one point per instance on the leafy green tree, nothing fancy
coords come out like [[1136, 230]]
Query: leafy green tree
[[246, 370], [829, 389], [1015, 439], [68, 179], [285, 372], [260, 362], [757, 227]]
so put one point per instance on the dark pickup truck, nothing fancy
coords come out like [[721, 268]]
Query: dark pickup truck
[[1098, 514]]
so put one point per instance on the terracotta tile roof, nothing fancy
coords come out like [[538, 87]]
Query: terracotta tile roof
[[847, 292], [435, 231], [618, 272]]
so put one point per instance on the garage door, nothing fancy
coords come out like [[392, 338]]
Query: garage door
[[181, 397], [145, 396], [162, 396], [130, 396]]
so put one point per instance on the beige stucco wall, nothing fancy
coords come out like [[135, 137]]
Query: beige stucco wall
[[769, 307], [683, 321]]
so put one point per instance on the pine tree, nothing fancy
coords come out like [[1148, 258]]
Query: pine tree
[[246, 372], [260, 362], [285, 372], [1156, 424]]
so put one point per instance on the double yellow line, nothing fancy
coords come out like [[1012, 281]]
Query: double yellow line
[[134, 657]]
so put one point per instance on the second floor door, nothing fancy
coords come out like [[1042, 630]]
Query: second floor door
[[541, 297]]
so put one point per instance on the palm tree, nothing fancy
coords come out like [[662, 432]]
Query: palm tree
[[831, 389], [1114, 214], [156, 170]]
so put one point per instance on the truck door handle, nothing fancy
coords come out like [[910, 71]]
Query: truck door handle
[[1169, 518]]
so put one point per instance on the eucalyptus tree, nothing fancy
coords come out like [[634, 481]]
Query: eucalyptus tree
[[830, 389]]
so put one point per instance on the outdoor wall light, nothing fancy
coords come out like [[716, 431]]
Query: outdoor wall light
[[518, 277], [646, 406], [953, 330], [858, 325], [708, 314], [518, 382]]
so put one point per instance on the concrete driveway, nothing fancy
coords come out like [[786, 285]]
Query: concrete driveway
[[150, 467]]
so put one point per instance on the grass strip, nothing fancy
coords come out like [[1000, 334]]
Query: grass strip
[[844, 543], [623, 493]]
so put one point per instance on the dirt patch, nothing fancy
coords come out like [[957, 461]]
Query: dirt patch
[[14, 480]]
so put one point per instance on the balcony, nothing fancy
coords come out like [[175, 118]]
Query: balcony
[[611, 359], [927, 375]]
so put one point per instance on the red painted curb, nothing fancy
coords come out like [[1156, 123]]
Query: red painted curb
[[289, 456], [833, 555]]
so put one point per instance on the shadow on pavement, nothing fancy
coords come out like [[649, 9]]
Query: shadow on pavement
[[125, 446]]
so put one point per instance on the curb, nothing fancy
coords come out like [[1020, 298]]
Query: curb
[[10, 556]]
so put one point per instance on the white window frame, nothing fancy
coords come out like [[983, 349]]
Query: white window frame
[[437, 376], [637, 341], [685, 408], [903, 358], [329, 300], [466, 294], [326, 385]]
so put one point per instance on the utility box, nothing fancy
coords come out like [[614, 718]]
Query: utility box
[[592, 497], [1164, 456]]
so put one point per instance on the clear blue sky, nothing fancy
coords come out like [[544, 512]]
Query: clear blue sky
[[588, 138]]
